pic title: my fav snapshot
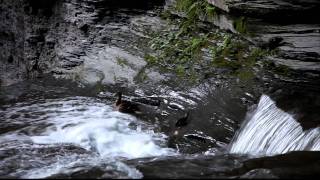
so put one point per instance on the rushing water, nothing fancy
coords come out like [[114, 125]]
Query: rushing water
[[269, 131], [79, 136], [103, 137]]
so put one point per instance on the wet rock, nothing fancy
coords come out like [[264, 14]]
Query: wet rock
[[152, 75], [11, 42], [33, 39], [299, 164], [84, 27], [222, 166], [298, 65], [259, 174], [148, 101], [91, 76], [115, 4], [301, 100], [271, 10], [37, 5], [299, 47], [116, 64], [277, 25], [188, 167], [58, 35], [292, 165]]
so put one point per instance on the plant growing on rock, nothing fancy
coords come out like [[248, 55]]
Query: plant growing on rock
[[194, 10], [192, 51]]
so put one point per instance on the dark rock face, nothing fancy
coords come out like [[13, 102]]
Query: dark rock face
[[37, 6], [293, 31], [301, 100], [284, 11], [26, 51], [38, 37], [297, 164], [291, 27], [11, 41], [293, 22], [299, 48]]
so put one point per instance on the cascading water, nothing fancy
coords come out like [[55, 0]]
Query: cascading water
[[86, 132], [269, 131]]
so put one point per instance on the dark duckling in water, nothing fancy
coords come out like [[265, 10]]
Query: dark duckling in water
[[182, 122], [126, 106]]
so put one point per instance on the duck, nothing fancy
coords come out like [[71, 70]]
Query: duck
[[274, 42], [126, 106], [181, 123]]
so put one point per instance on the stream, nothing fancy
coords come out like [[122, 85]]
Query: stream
[[55, 128], [60, 132]]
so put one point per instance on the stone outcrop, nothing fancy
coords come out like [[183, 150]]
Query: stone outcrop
[[272, 10], [11, 41], [290, 26], [293, 30], [54, 37], [36, 31], [297, 164]]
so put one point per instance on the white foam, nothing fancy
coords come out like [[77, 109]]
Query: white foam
[[92, 125], [97, 127]]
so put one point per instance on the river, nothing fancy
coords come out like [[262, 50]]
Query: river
[[55, 128]]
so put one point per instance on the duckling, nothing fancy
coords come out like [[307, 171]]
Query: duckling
[[181, 122], [273, 43], [126, 106]]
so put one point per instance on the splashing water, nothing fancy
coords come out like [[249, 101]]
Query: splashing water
[[272, 131], [85, 123]]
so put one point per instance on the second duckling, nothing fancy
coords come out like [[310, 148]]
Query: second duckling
[[181, 123]]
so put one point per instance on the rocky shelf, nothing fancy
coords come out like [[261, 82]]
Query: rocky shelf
[[289, 26]]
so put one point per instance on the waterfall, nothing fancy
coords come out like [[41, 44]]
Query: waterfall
[[269, 131]]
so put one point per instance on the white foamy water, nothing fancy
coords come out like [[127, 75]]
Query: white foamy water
[[89, 124], [105, 131], [272, 131]]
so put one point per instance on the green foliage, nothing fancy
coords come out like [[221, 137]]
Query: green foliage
[[194, 9], [176, 52], [245, 74], [141, 76], [122, 61], [240, 25], [180, 50], [282, 70], [219, 54], [150, 59], [180, 70], [278, 69], [234, 55], [166, 14]]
